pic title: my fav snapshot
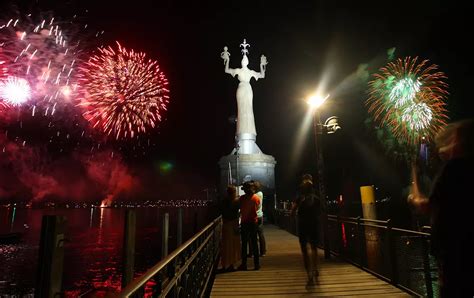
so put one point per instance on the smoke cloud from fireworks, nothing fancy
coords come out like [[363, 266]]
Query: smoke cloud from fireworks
[[29, 173]]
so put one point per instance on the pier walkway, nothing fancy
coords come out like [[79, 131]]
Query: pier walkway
[[282, 275]]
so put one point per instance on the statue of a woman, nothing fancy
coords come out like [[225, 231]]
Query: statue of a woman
[[245, 118]]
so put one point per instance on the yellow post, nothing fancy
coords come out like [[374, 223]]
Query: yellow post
[[367, 195]]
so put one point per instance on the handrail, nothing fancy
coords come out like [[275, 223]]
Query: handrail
[[373, 226], [355, 219], [357, 242], [170, 284], [140, 281], [411, 232]]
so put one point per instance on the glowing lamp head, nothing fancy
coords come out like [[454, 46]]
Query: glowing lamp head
[[315, 101], [15, 91]]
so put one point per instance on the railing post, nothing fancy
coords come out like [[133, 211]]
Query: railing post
[[128, 247], [359, 243], [51, 257], [179, 228], [339, 235], [275, 218], [280, 219], [288, 219], [327, 248], [195, 222], [164, 235], [158, 287], [295, 220], [200, 255], [392, 247], [427, 267]]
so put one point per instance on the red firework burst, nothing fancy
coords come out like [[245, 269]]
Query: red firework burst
[[123, 93]]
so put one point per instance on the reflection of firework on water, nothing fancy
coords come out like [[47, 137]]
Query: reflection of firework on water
[[123, 92], [41, 54], [409, 97], [15, 91]]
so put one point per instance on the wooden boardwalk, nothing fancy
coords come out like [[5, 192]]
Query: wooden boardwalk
[[282, 275]]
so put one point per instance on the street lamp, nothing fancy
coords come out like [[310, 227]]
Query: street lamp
[[315, 101], [330, 126]]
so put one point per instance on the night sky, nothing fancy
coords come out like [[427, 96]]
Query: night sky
[[304, 42]]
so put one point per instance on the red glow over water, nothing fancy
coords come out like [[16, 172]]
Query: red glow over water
[[93, 250]]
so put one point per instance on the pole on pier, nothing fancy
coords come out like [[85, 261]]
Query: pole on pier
[[164, 235], [128, 247], [179, 229], [51, 257]]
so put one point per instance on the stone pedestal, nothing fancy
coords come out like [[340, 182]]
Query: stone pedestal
[[258, 166]]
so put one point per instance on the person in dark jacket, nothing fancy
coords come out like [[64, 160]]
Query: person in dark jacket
[[307, 207], [450, 206]]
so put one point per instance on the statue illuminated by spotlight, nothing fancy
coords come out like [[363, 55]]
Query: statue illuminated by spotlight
[[246, 133]]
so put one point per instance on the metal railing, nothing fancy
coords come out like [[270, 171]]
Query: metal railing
[[186, 272], [398, 256]]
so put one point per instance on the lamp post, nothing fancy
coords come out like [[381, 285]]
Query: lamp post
[[315, 102]]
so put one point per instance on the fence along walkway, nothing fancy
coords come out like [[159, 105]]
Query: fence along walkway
[[282, 275]]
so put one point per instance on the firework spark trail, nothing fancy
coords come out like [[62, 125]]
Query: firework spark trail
[[41, 54], [3, 69], [409, 97], [123, 92], [404, 92], [417, 116], [45, 52], [3, 76]]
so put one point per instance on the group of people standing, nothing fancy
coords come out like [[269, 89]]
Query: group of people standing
[[247, 209], [237, 238]]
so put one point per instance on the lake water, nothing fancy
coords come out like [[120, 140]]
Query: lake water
[[93, 251]]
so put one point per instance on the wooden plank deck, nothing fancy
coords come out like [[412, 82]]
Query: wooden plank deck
[[282, 275]]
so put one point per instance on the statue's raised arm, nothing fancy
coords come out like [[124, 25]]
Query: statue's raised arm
[[263, 66], [225, 55]]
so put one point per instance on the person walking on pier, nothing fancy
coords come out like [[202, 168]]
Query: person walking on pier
[[230, 249], [307, 205], [249, 204], [450, 206]]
